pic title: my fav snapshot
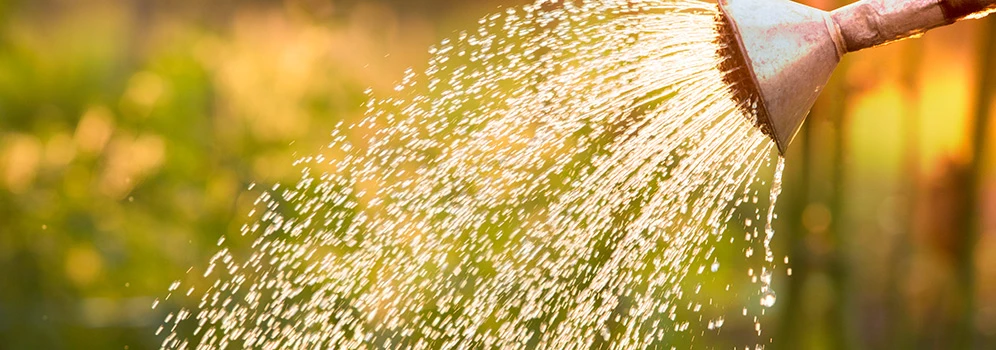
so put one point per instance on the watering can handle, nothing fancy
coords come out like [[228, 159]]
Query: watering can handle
[[869, 23]]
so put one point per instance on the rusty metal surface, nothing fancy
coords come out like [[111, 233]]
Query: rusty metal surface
[[791, 49], [872, 23]]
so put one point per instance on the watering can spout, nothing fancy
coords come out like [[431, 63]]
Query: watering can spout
[[790, 50]]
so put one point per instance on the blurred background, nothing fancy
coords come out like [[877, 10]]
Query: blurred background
[[131, 130]]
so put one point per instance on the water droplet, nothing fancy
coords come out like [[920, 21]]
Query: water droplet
[[715, 266], [768, 298], [766, 276]]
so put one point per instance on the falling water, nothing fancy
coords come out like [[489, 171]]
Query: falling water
[[552, 180]]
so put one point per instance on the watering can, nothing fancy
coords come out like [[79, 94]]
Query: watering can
[[791, 49]]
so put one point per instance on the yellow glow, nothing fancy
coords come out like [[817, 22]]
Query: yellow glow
[[83, 265], [94, 129], [19, 161]]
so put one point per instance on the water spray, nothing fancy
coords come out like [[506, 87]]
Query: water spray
[[790, 49]]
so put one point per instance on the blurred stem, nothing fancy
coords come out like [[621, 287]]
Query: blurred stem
[[840, 316], [790, 334], [971, 216], [898, 323], [839, 271]]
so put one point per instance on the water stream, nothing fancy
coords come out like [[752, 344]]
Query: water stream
[[562, 177]]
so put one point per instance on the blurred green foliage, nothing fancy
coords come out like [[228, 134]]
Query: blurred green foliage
[[127, 139]]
